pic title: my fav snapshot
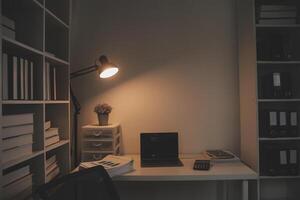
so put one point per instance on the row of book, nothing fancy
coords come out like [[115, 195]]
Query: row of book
[[17, 184], [51, 134], [51, 82], [277, 14], [52, 168], [279, 123], [279, 159], [17, 135], [18, 78], [8, 27], [277, 85]]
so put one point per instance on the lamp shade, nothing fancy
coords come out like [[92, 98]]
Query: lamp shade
[[106, 69]]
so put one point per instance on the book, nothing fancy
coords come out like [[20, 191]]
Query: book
[[26, 80], [31, 81], [15, 175], [114, 165], [54, 173], [12, 190], [14, 131], [50, 168], [21, 79], [277, 21], [279, 14], [47, 125], [16, 120], [16, 153], [15, 78], [54, 83], [51, 132], [51, 140], [50, 161], [48, 89], [277, 8], [7, 22], [4, 76], [13, 142]]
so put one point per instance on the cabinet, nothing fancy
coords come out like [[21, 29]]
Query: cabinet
[[36, 32], [269, 69], [99, 141]]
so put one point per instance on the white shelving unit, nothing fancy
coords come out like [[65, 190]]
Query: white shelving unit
[[99, 141], [41, 27], [255, 63]]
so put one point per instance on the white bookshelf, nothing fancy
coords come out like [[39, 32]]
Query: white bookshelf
[[253, 66], [37, 23]]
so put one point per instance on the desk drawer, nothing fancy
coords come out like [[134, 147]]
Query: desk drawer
[[99, 134], [86, 156], [97, 146]]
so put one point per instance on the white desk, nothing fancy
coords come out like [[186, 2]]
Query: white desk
[[218, 172]]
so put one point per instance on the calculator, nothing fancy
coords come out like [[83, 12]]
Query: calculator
[[201, 165]]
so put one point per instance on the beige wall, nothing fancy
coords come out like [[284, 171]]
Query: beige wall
[[178, 64]]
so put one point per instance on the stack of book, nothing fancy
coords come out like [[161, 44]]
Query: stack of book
[[51, 134], [18, 78], [277, 15], [8, 27], [50, 92], [17, 183], [17, 134], [52, 169]]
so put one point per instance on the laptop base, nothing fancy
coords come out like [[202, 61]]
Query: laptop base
[[175, 163]]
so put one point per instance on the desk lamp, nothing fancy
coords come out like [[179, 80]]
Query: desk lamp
[[105, 69]]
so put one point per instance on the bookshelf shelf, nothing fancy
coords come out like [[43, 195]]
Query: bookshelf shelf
[[57, 102], [280, 139], [57, 145], [278, 100], [278, 26], [18, 46], [279, 177], [22, 102], [56, 18], [56, 60], [40, 35], [20, 160], [278, 62]]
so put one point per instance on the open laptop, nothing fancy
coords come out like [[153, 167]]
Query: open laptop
[[159, 150]]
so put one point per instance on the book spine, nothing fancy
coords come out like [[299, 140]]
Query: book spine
[[21, 75], [54, 83], [5, 76], [31, 81], [26, 81], [15, 78]]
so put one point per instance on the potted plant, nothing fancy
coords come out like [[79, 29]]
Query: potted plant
[[103, 111]]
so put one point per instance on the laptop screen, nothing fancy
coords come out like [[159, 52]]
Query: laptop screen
[[159, 146]]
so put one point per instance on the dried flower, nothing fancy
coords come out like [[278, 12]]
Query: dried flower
[[104, 109]]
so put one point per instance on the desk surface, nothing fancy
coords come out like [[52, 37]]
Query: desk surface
[[219, 171]]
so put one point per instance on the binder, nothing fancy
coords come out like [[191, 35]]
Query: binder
[[15, 80]]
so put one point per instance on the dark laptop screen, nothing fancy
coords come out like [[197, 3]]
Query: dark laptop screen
[[159, 146]]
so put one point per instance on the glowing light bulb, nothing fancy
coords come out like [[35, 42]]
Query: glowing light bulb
[[108, 72]]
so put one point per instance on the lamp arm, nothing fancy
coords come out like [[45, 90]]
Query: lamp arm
[[84, 71]]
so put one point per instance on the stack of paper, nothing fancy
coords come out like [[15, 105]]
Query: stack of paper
[[277, 14], [8, 27], [52, 169], [17, 137], [51, 134], [16, 183], [114, 165]]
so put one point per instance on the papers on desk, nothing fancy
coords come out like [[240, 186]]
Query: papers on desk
[[219, 157], [114, 165]]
